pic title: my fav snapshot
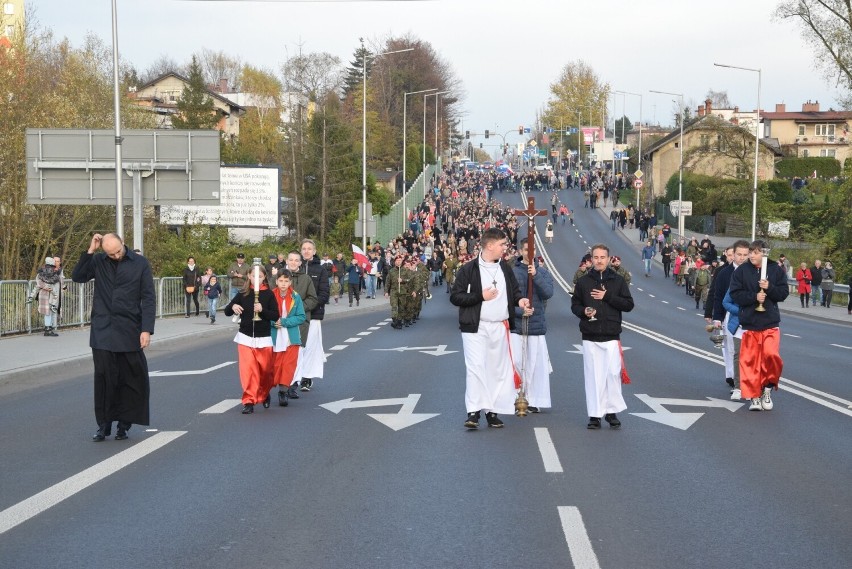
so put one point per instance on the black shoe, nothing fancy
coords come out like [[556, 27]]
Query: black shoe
[[121, 432], [307, 383], [248, 409], [267, 401], [594, 423], [104, 429], [612, 420], [282, 398], [730, 382], [472, 420], [292, 392], [532, 409], [493, 420]]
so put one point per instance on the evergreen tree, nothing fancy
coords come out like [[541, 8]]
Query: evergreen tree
[[354, 79], [195, 108]]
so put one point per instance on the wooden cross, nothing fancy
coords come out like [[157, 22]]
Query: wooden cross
[[530, 213]]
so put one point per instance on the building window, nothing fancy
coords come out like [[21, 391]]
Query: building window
[[721, 144], [824, 130], [8, 8], [805, 153], [830, 153], [741, 172], [10, 30], [801, 130], [705, 142]]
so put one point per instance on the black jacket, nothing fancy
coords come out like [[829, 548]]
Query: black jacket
[[319, 274], [816, 276], [470, 303], [123, 303], [542, 292], [744, 291], [269, 312], [720, 288], [617, 299]]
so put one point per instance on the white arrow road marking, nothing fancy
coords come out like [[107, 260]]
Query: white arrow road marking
[[547, 450], [680, 421], [580, 548], [34, 505], [440, 350], [396, 421], [844, 347], [222, 407], [189, 372]]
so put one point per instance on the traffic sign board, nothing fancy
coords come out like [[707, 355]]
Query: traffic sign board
[[637, 184], [639, 173]]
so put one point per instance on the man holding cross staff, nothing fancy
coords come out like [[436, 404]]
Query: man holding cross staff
[[529, 348]]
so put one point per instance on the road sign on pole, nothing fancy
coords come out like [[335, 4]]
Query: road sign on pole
[[637, 184]]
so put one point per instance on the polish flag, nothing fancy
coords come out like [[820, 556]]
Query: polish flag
[[362, 259]]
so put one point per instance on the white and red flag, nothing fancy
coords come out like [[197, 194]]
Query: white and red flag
[[363, 260]]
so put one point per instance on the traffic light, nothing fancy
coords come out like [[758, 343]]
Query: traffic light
[[521, 129], [486, 133], [467, 134], [480, 145]]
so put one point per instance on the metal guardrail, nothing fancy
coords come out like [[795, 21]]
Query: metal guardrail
[[390, 225], [18, 317], [840, 294]]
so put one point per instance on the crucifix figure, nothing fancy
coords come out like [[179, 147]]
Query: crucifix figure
[[530, 213]]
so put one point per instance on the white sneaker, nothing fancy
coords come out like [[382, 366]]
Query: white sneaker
[[766, 400], [755, 404], [736, 395]]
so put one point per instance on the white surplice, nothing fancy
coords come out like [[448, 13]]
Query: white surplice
[[602, 373], [532, 361], [312, 357]]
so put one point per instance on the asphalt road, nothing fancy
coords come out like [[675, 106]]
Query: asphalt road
[[304, 486]]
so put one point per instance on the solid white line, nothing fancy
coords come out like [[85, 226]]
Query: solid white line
[[351, 340], [809, 397], [547, 450], [839, 346], [34, 505], [579, 546], [792, 335], [222, 406], [364, 333], [338, 347]]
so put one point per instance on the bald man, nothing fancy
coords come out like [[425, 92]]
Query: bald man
[[123, 311]]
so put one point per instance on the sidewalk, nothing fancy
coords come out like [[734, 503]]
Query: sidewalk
[[25, 355], [837, 313]]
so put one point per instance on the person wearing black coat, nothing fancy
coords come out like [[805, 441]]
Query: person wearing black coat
[[486, 292], [312, 358], [191, 284], [760, 360], [123, 312], [600, 296]]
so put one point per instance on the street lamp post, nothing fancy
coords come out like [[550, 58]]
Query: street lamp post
[[404, 146], [639, 167], [680, 227], [756, 146], [364, 139], [424, 126]]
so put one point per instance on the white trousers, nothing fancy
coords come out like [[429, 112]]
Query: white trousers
[[532, 361], [489, 381], [728, 349], [312, 356], [602, 371]]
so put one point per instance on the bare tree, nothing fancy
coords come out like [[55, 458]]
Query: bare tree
[[216, 65], [314, 75], [719, 99], [162, 65]]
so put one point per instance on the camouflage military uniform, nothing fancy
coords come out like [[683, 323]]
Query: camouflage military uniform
[[395, 289]]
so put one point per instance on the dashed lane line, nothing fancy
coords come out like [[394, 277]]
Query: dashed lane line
[[338, 347], [579, 546], [364, 333], [222, 407], [352, 340], [547, 450]]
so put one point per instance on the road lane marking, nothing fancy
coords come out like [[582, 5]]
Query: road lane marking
[[579, 546], [844, 347], [547, 450], [190, 371], [351, 340], [792, 335], [34, 505], [364, 333], [222, 407], [373, 328], [666, 302], [680, 308], [338, 347], [652, 296], [639, 289]]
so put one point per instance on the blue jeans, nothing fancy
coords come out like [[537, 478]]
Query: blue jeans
[[647, 266], [211, 312], [371, 285], [816, 295], [233, 292]]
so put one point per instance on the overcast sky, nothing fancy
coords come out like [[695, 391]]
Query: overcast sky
[[506, 53]]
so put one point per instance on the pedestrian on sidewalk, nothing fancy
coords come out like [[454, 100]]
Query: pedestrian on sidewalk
[[212, 290], [46, 291], [353, 280], [827, 284], [816, 283], [803, 278], [191, 279], [123, 313]]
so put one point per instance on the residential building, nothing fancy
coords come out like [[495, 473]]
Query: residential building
[[810, 132], [161, 95], [11, 20], [712, 146]]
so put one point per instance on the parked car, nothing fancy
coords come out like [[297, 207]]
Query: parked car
[[542, 167]]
